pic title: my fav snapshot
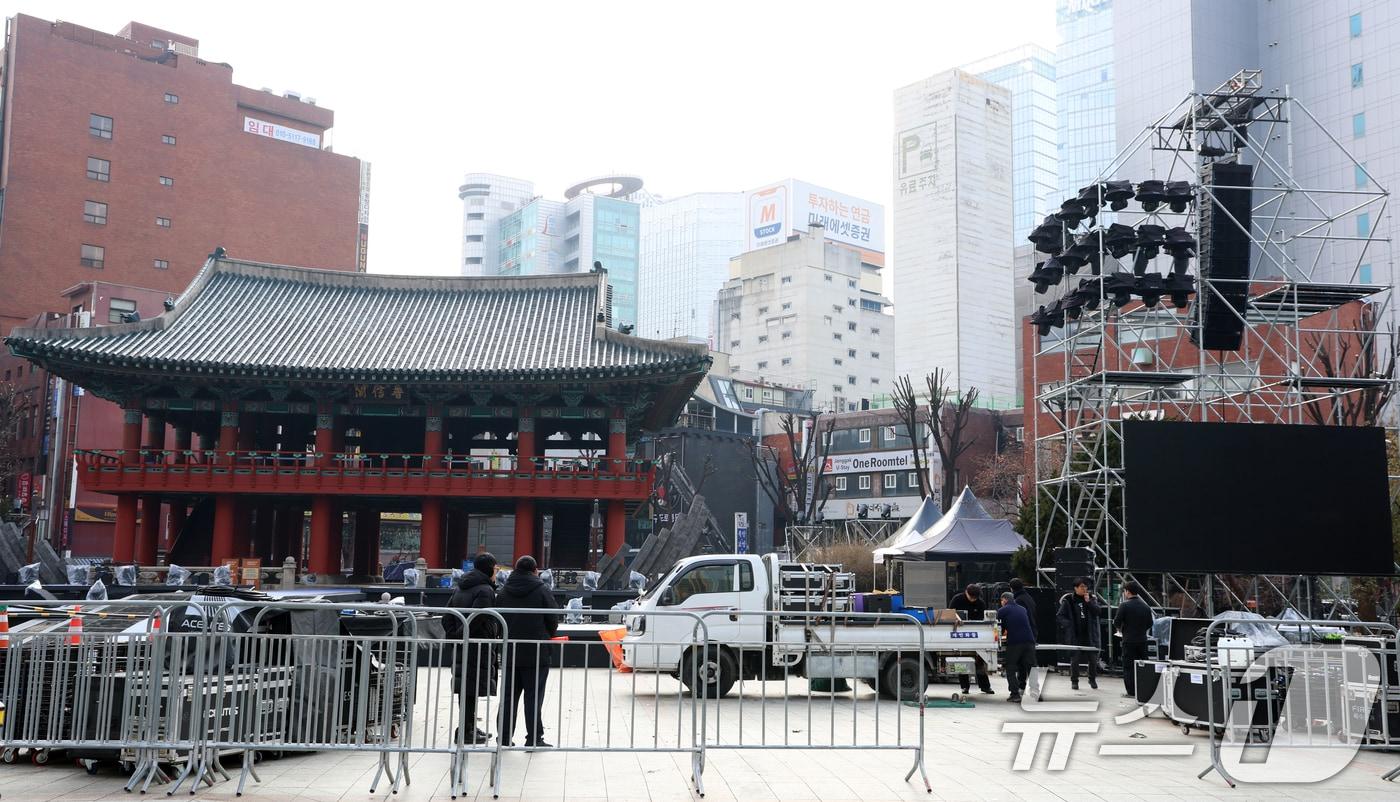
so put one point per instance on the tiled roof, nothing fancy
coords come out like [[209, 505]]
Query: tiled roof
[[247, 319]]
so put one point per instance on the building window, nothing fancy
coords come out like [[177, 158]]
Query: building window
[[95, 212], [161, 264], [473, 260], [865, 482], [763, 365], [836, 308], [836, 335], [826, 319], [891, 481], [787, 305], [864, 436], [475, 237], [163, 222], [476, 215], [119, 309], [787, 334], [888, 433], [1361, 179], [786, 280], [913, 480], [93, 256], [1363, 224], [851, 352], [874, 380], [1364, 274], [826, 276], [763, 310], [787, 360], [748, 393], [874, 329], [763, 338], [167, 181], [171, 97], [1355, 25], [874, 354], [850, 302], [840, 483], [1356, 75], [167, 139], [850, 379], [733, 343], [851, 283], [1358, 125], [851, 326], [99, 169], [99, 126], [836, 360]]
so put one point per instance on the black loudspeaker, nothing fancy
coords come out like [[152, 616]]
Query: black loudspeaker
[[1070, 564], [1224, 255]]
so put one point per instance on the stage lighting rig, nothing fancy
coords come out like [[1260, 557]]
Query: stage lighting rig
[[1150, 288], [1091, 198], [1119, 287], [1049, 236], [1179, 196], [1118, 193], [1085, 250], [1119, 240], [1045, 319], [1179, 287], [1089, 292], [1072, 305], [1045, 274], [1182, 246], [1150, 240], [1071, 213], [1150, 194]]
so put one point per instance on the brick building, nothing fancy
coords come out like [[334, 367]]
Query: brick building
[[126, 158]]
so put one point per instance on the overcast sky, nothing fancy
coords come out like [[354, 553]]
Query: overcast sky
[[694, 96]]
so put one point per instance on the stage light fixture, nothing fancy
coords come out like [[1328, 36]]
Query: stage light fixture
[[1071, 213], [1045, 319], [1179, 288], [1119, 287], [1150, 239], [1150, 288], [1118, 193], [1089, 292], [1049, 236], [1119, 240], [1091, 198], [1085, 249], [1182, 246], [1150, 194], [1179, 195], [1072, 305], [1045, 274]]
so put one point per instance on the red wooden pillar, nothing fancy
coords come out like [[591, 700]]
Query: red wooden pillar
[[124, 533], [148, 534], [524, 507], [226, 516], [325, 536], [430, 532], [615, 528], [617, 442]]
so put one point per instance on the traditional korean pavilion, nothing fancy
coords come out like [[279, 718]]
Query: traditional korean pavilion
[[265, 391]]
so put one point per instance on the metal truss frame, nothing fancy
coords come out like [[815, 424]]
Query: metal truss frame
[[1317, 341]]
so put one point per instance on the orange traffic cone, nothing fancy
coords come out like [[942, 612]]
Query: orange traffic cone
[[4, 626], [75, 627]]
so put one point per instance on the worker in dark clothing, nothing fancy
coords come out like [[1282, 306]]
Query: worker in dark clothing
[[474, 666], [1023, 598], [528, 655], [1020, 644], [1078, 618], [970, 607], [1132, 621]]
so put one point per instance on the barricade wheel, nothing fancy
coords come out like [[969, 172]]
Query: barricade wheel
[[40, 757], [90, 766], [8, 756], [717, 671]]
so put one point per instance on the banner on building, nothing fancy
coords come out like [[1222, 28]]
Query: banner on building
[[274, 131], [777, 210], [870, 461]]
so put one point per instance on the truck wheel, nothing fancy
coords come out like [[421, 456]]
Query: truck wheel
[[714, 672], [900, 680]]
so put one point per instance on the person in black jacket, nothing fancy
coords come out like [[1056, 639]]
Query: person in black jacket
[[971, 607], [480, 659], [526, 666], [1023, 598], [1078, 618], [1133, 620]]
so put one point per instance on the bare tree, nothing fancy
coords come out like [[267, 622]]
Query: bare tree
[[799, 493], [1362, 353], [997, 478], [9, 435], [915, 418], [949, 425]]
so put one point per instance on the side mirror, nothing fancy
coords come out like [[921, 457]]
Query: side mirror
[[668, 598]]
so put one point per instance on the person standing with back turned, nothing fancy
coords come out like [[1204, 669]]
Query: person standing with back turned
[[1020, 645], [474, 670], [526, 666], [1134, 621]]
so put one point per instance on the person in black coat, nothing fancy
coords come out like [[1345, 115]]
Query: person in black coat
[[525, 669], [971, 607], [1133, 620], [1023, 597], [1078, 618], [474, 667]]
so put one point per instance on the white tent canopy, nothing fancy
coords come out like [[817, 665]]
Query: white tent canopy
[[926, 528]]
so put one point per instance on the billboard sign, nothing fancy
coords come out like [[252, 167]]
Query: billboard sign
[[274, 131], [777, 210], [870, 461], [741, 532]]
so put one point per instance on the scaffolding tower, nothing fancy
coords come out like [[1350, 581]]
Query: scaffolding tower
[[1318, 343]]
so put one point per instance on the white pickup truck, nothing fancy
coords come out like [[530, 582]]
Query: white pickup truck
[[747, 604]]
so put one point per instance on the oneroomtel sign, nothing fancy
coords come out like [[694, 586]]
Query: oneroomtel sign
[[870, 461]]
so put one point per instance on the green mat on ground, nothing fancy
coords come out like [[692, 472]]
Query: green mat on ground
[[941, 703]]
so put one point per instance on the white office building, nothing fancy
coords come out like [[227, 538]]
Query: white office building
[[952, 251], [486, 200], [686, 245], [809, 313]]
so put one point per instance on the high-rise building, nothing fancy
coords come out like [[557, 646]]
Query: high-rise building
[[687, 243], [1333, 59], [952, 233], [1028, 73], [1085, 97], [808, 313], [486, 200], [597, 222], [128, 158]]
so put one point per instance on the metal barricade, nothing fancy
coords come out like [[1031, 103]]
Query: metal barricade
[[1296, 700]]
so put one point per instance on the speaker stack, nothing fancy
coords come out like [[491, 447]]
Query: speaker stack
[[1224, 255], [1070, 564]]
